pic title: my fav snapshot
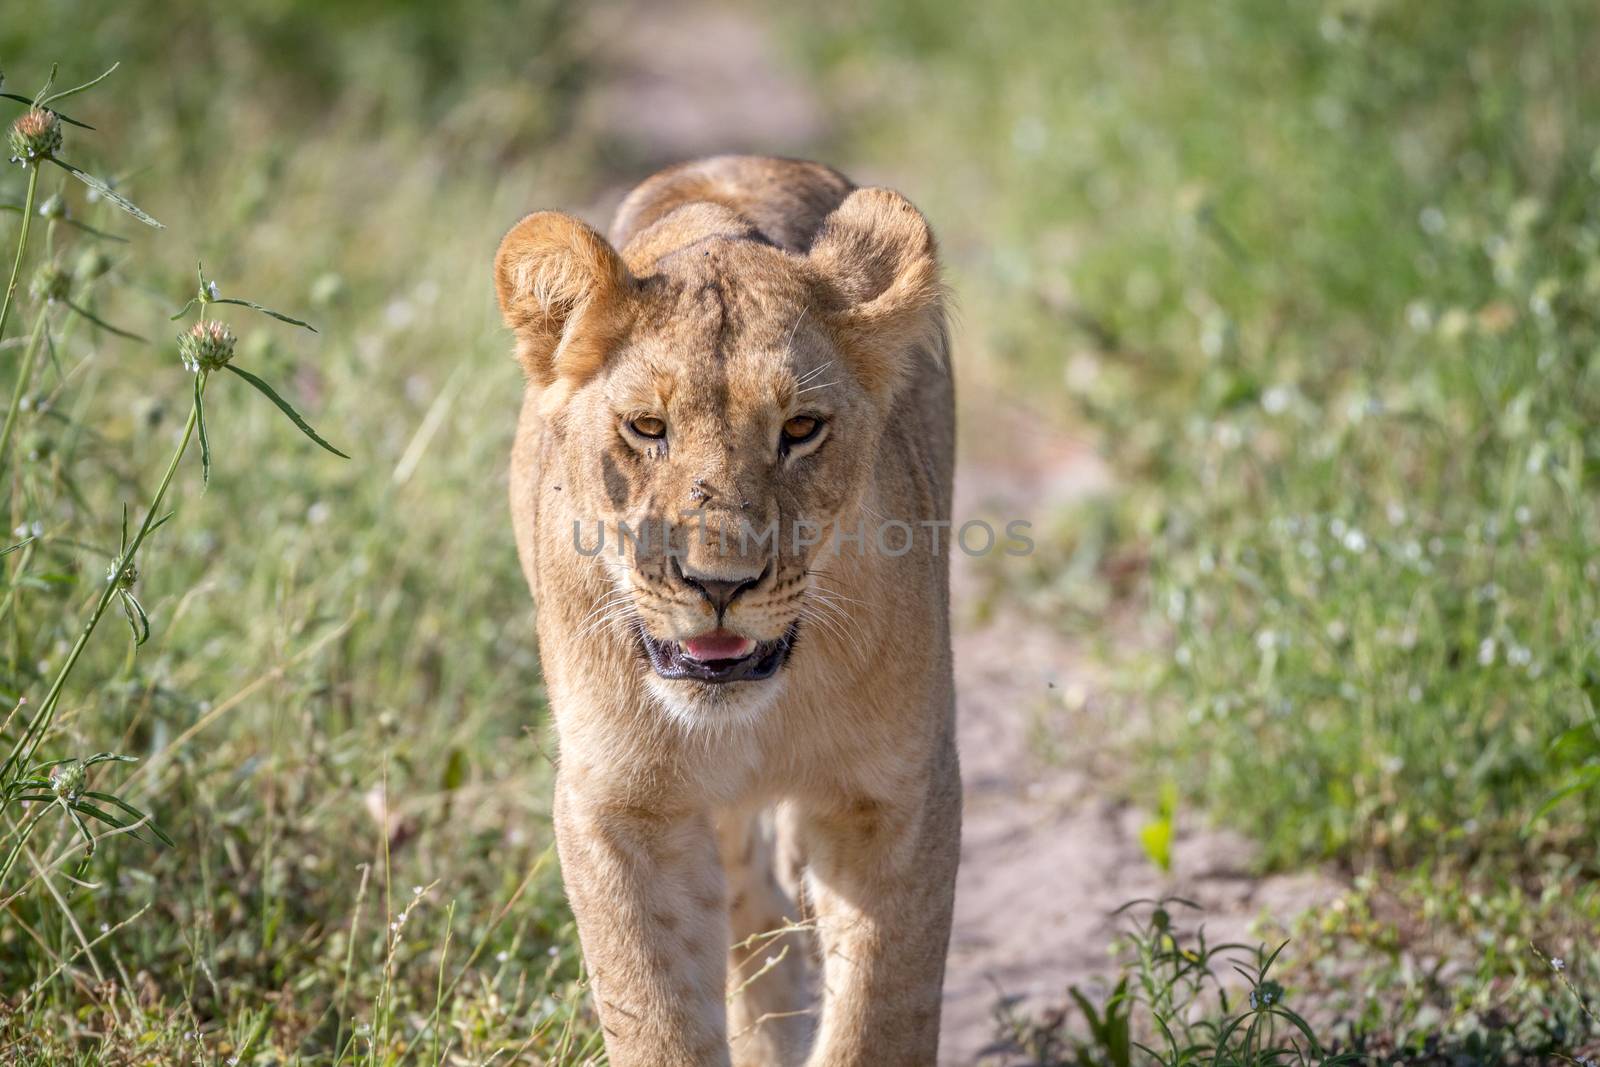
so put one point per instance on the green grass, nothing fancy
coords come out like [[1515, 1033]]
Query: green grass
[[1179, 999], [324, 632], [1323, 280]]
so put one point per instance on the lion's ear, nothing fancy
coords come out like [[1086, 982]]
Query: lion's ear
[[876, 255], [563, 289]]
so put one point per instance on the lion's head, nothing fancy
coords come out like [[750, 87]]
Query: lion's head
[[706, 383]]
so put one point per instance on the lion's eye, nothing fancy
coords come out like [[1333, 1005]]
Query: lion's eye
[[648, 426], [800, 429]]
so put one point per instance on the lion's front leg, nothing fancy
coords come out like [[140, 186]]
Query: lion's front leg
[[770, 1007], [648, 896], [883, 874]]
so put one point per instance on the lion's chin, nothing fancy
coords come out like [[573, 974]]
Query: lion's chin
[[698, 705]]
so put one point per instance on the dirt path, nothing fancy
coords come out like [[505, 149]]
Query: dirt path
[[1047, 855]]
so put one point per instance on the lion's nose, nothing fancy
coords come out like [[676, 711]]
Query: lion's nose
[[720, 593]]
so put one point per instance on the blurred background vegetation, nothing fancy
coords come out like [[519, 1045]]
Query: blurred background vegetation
[[1317, 279]]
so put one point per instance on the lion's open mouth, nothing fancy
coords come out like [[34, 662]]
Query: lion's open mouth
[[758, 660]]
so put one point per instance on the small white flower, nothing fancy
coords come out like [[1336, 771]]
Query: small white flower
[[1486, 652], [1558, 963], [1275, 401], [1432, 220], [1355, 542], [502, 955], [213, 290], [416, 890]]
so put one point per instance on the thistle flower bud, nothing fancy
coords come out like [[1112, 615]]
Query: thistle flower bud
[[67, 779], [92, 264], [206, 346], [126, 579], [51, 283], [35, 136]]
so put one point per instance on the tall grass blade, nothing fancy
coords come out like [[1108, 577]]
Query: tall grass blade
[[283, 406]]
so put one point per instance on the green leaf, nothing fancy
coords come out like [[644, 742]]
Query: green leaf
[[109, 757], [455, 771], [1575, 745], [107, 798], [205, 443], [111, 820], [88, 838], [137, 619], [63, 94], [104, 325], [280, 316], [68, 119], [109, 193], [283, 406], [1587, 778], [92, 232], [1157, 834], [44, 89]]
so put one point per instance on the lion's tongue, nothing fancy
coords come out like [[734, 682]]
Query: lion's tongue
[[718, 644]]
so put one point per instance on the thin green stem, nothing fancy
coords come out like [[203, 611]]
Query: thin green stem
[[23, 379], [23, 833], [28, 743], [22, 246]]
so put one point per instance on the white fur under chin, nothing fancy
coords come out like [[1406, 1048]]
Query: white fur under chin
[[699, 707]]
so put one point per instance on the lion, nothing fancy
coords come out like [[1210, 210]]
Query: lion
[[730, 491]]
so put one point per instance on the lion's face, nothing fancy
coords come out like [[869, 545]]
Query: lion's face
[[717, 419]]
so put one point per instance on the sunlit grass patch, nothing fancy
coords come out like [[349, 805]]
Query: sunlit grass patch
[[338, 698]]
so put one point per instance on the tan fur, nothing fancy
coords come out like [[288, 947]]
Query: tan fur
[[738, 292]]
